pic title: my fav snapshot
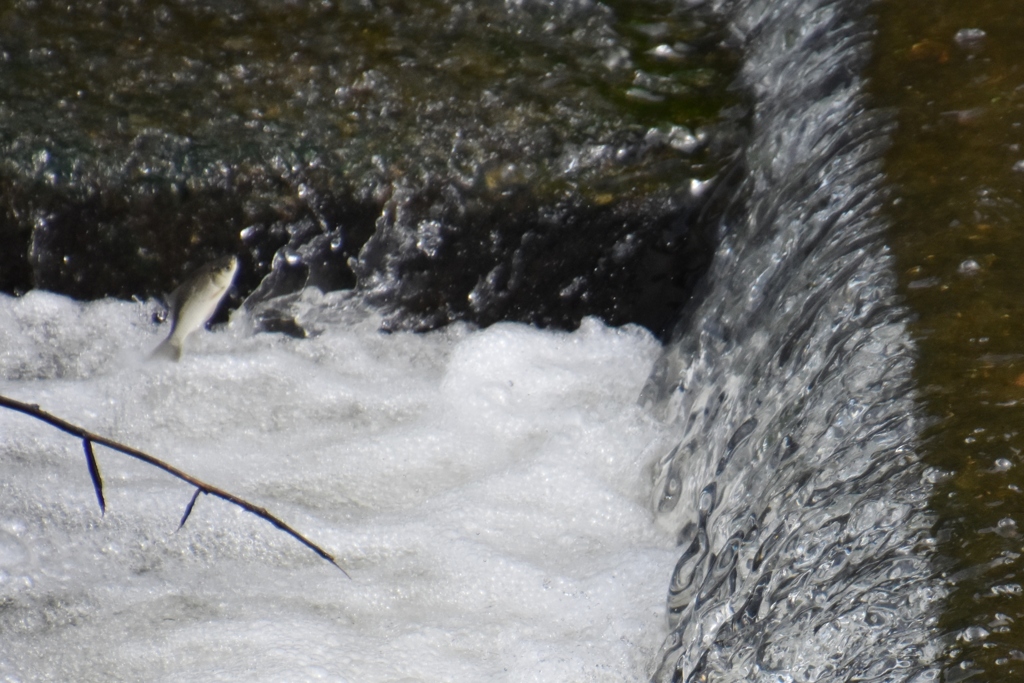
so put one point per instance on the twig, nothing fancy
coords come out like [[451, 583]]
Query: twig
[[188, 508], [88, 439], [94, 472]]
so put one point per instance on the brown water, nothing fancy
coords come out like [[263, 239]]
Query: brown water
[[957, 168]]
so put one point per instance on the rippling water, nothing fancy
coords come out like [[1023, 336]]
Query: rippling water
[[795, 486], [952, 75], [792, 484]]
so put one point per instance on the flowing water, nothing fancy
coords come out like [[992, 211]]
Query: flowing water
[[795, 485], [953, 74], [484, 490], [507, 510]]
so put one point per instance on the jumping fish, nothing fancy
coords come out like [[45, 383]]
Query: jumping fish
[[194, 302]]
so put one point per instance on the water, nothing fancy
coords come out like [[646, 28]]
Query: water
[[522, 161], [484, 489], [953, 73], [491, 491], [795, 485]]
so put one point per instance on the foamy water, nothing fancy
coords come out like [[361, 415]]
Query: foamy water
[[486, 490]]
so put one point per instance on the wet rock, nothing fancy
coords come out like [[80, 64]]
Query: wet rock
[[321, 141]]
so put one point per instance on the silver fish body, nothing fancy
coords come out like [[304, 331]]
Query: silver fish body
[[194, 302]]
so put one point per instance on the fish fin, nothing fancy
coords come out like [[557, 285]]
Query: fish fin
[[168, 350]]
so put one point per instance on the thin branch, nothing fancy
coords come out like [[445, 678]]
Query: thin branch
[[89, 438], [94, 472], [188, 508]]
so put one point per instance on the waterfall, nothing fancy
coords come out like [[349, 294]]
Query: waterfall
[[484, 484], [794, 485]]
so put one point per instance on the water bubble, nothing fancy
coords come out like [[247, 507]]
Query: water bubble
[[1006, 527], [666, 53], [681, 139], [970, 38], [973, 634], [1000, 619], [968, 267], [934, 475]]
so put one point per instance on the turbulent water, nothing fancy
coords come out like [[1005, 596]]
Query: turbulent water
[[480, 160], [490, 491], [794, 484], [485, 491]]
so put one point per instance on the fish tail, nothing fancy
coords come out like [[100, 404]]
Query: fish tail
[[168, 350]]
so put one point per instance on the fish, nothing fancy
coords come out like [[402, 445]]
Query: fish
[[194, 302]]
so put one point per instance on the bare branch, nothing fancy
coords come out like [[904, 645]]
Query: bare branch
[[89, 438], [188, 508], [94, 472]]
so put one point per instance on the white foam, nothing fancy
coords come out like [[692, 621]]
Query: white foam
[[485, 489]]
